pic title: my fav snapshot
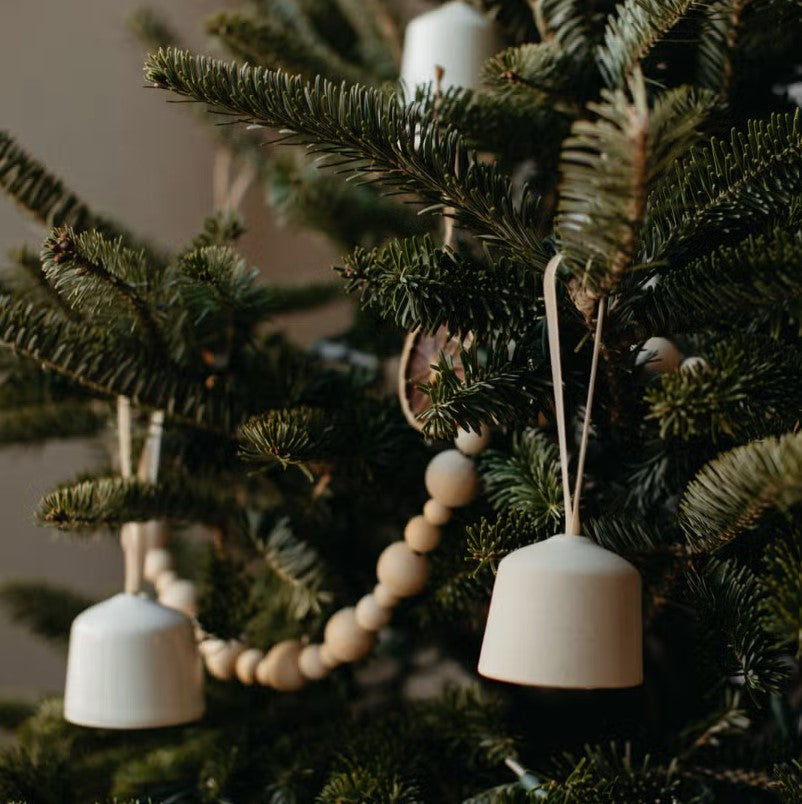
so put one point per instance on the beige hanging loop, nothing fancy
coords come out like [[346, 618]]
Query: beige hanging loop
[[572, 523], [565, 612]]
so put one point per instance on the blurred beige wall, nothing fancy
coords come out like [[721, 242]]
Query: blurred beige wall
[[72, 93]]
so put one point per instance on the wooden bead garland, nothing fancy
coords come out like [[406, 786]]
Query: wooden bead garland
[[421, 535], [350, 633], [246, 664], [451, 478], [347, 640]]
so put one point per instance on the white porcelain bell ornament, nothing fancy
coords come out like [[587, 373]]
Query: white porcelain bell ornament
[[132, 662], [456, 38], [565, 612]]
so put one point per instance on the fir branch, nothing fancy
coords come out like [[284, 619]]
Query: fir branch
[[608, 167], [423, 286], [781, 584], [499, 386], [110, 502], [632, 33], [732, 492], [221, 229], [728, 602], [350, 214], [753, 388], [30, 266], [292, 437], [757, 274], [13, 712], [725, 190], [718, 38], [92, 273], [298, 567], [527, 480], [109, 366], [48, 201], [369, 131], [224, 600], [284, 38], [37, 422], [378, 35], [46, 610], [489, 541]]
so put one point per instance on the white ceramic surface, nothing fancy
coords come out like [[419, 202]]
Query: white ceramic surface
[[132, 664], [564, 613]]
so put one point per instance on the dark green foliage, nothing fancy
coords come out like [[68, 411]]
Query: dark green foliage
[[732, 492], [759, 272], [584, 140], [726, 190], [753, 388], [368, 130], [109, 502], [781, 583], [40, 422], [500, 384], [46, 609], [633, 31], [426, 287], [526, 480], [728, 600]]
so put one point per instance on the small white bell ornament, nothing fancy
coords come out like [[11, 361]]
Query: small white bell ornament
[[565, 612], [132, 662], [454, 37]]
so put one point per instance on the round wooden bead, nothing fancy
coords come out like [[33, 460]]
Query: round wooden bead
[[370, 615], [421, 535], [451, 478], [694, 364], [279, 669], [436, 513], [401, 570], [157, 560], [164, 579], [245, 666], [310, 663], [181, 595], [220, 663], [469, 442], [206, 647], [658, 355], [327, 658], [345, 638], [384, 597]]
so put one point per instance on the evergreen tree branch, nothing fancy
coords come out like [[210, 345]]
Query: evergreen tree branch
[[781, 584], [759, 273], [369, 131], [608, 167], [91, 272], [732, 492], [634, 30], [420, 285], [526, 480], [47, 610], [298, 567], [753, 388], [728, 602], [47, 200], [285, 40], [725, 190], [38, 422], [110, 502], [500, 388], [109, 366]]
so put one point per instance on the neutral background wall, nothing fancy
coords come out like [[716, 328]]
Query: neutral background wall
[[72, 93]]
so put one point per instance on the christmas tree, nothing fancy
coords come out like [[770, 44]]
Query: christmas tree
[[655, 148]]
